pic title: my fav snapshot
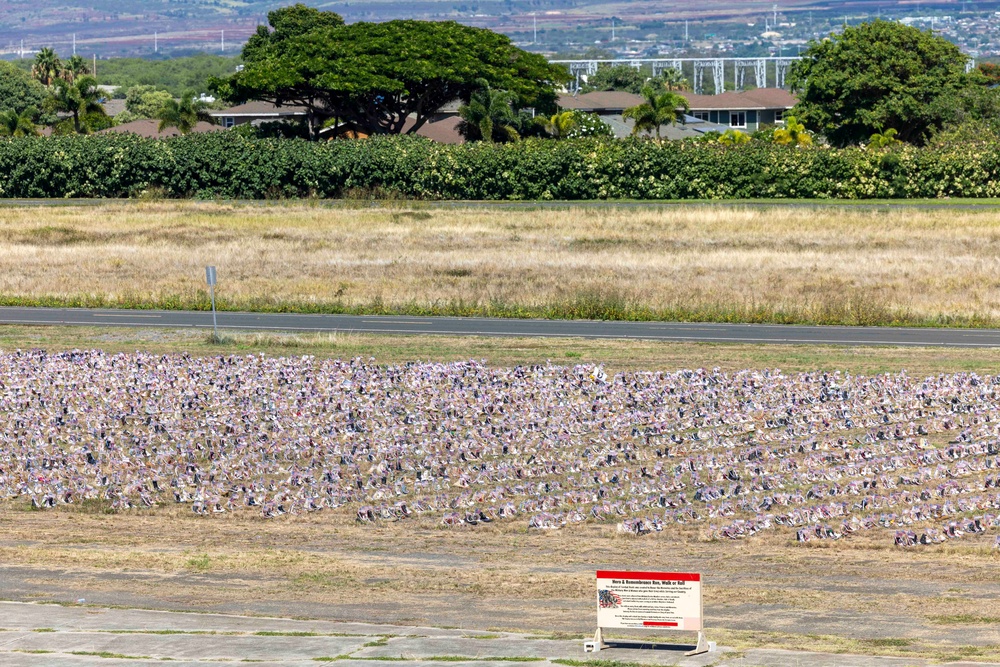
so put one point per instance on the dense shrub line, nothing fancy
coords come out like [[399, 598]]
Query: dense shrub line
[[228, 165]]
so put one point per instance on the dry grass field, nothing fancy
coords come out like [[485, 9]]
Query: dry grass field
[[859, 595], [835, 265]]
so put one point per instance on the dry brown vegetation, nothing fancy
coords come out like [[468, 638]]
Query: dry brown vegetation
[[724, 263], [766, 592]]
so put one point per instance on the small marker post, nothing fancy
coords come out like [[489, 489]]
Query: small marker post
[[210, 279]]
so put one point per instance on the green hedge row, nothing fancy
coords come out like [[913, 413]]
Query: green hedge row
[[227, 165]]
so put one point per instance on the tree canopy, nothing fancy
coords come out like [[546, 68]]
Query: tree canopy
[[18, 90], [375, 75], [618, 77], [875, 76], [145, 101]]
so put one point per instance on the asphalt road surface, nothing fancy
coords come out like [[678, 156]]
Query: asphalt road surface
[[457, 326]]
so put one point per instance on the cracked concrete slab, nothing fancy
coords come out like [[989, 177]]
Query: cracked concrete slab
[[37, 635]]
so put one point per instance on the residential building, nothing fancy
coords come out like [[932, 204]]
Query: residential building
[[609, 105], [746, 111], [256, 112]]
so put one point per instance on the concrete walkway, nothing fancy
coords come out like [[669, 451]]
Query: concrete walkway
[[38, 635]]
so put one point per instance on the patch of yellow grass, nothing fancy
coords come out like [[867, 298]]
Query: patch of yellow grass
[[820, 264]]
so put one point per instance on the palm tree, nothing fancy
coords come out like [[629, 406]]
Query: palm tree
[[734, 138], [561, 124], [673, 80], [79, 98], [13, 124], [488, 116], [792, 134], [884, 139], [659, 109], [75, 67], [47, 66], [183, 114]]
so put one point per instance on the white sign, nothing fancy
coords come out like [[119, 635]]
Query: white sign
[[210, 275], [649, 600]]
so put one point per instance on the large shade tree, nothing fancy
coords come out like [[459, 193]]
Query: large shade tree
[[375, 75], [879, 75], [18, 90]]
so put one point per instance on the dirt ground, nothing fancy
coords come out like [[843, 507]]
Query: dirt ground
[[856, 597]]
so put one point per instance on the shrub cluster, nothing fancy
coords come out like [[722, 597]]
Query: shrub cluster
[[228, 165]]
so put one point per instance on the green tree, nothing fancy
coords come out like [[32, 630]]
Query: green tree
[[80, 100], [14, 124], [489, 116], [75, 67], [878, 74], [145, 101], [617, 77], [183, 114], [47, 66], [18, 90], [734, 138], [175, 75], [990, 71], [671, 79], [561, 124], [885, 139], [660, 108], [287, 23], [376, 75], [589, 125], [792, 134]]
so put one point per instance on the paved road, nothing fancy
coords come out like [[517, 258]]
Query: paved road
[[455, 326]]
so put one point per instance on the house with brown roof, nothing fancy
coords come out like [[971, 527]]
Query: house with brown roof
[[748, 110], [257, 112], [150, 129], [608, 105]]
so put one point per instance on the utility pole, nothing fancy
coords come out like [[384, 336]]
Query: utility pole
[[612, 29], [74, 43], [775, 15], [156, 42], [534, 27], [687, 34]]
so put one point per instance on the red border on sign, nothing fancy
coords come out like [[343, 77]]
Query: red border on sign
[[659, 624], [649, 576]]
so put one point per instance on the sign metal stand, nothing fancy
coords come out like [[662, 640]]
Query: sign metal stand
[[211, 280], [649, 601]]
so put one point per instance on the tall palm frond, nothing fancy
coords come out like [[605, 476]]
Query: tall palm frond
[[183, 114], [80, 99], [489, 116], [561, 124], [47, 66], [13, 124], [660, 108]]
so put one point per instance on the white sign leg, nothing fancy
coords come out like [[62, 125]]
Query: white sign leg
[[597, 644], [702, 646]]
